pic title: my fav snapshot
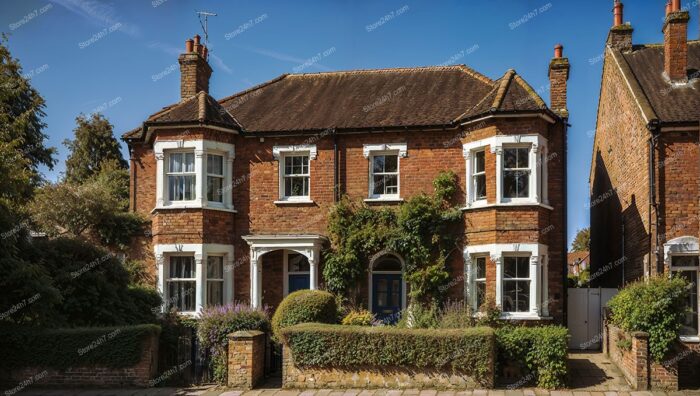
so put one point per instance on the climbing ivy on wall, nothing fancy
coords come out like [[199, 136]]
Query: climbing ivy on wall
[[424, 230]]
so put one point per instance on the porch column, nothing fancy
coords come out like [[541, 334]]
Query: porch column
[[535, 299], [200, 282], [313, 268], [255, 279]]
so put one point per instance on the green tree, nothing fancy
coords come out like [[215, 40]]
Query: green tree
[[21, 130], [94, 144], [582, 241]]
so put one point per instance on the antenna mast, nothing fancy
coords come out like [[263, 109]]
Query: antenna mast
[[204, 21]]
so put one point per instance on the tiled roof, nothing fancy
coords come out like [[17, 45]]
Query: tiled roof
[[382, 98], [200, 108], [669, 103]]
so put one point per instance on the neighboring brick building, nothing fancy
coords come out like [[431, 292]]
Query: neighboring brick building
[[238, 190], [645, 172]]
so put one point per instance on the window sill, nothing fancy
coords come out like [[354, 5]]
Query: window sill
[[295, 202], [523, 316], [193, 206], [690, 339], [383, 200], [477, 205]]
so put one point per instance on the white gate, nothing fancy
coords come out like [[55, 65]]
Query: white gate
[[585, 316]]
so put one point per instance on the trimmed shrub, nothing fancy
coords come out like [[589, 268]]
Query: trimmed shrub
[[114, 347], [360, 317], [540, 352], [467, 350], [304, 306], [656, 306], [216, 323], [419, 316]]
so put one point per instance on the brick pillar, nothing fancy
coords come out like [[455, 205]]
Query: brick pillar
[[558, 75], [246, 359], [194, 69], [640, 351], [676, 46]]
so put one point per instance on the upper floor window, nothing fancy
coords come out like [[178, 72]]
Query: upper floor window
[[385, 175], [479, 175], [384, 165], [215, 177], [181, 176], [520, 167], [516, 172], [294, 172], [296, 176], [193, 174]]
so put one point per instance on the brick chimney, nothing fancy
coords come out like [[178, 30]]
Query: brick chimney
[[558, 75], [676, 43], [620, 36], [194, 69]]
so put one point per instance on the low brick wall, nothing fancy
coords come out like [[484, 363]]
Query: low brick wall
[[297, 377], [678, 370], [139, 375], [246, 359]]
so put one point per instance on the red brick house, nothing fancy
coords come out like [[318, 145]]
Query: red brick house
[[238, 189], [645, 172]]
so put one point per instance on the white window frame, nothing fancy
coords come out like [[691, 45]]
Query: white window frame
[[473, 280], [169, 173], [167, 297], [684, 246], [280, 153], [285, 261], [200, 252], [370, 151], [217, 176], [201, 148], [529, 170], [218, 280], [538, 182], [539, 293]]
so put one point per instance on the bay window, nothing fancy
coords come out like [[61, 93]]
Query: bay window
[[682, 256], [181, 283], [193, 174], [516, 284], [520, 167], [215, 280]]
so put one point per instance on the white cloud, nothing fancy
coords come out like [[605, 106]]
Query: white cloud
[[99, 14]]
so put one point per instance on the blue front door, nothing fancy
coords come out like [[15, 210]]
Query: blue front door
[[298, 282], [386, 296]]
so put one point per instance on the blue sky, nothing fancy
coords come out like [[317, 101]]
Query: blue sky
[[120, 57]]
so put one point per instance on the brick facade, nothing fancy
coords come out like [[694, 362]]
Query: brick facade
[[246, 359], [255, 188]]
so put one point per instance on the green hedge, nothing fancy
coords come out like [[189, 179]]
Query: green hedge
[[539, 351], [62, 348], [468, 350]]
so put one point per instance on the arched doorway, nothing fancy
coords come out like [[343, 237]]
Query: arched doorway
[[387, 287]]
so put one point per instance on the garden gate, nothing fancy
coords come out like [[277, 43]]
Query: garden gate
[[585, 316]]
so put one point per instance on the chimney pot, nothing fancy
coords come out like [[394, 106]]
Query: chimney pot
[[194, 69], [675, 5], [617, 13], [196, 39], [188, 45], [668, 7], [558, 50], [205, 51]]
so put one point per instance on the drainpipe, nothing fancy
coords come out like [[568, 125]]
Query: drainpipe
[[133, 178], [336, 177], [653, 205]]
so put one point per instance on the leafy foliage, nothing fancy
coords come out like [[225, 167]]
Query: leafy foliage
[[456, 315], [22, 138], [93, 284], [420, 316], [94, 144], [421, 230], [360, 317], [656, 306], [62, 348], [539, 351], [470, 350], [304, 306], [216, 323], [582, 240]]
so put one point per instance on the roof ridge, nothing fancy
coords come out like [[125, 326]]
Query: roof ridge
[[527, 87], [170, 108], [461, 67], [502, 89]]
